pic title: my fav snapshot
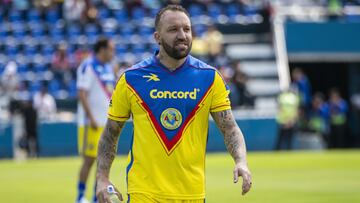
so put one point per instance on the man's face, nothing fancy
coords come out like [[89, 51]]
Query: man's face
[[109, 52], [174, 34]]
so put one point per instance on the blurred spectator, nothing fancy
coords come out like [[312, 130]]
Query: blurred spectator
[[214, 41], [91, 12], [132, 4], [152, 4], [302, 84], [74, 10], [21, 4], [114, 4], [338, 119], [335, 8], [45, 104], [10, 79], [319, 116], [222, 59], [287, 117], [31, 122], [199, 46], [240, 81], [61, 62], [43, 4]]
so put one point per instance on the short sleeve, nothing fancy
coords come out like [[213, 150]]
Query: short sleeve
[[220, 100], [119, 108], [84, 77]]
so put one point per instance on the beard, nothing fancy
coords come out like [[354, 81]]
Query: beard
[[176, 53]]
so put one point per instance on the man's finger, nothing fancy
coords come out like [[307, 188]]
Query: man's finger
[[101, 198], [118, 194], [107, 199], [236, 176], [246, 183]]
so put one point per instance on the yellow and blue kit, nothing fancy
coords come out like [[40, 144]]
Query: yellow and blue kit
[[170, 112]]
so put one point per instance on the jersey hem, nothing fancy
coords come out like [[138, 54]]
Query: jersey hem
[[169, 196]]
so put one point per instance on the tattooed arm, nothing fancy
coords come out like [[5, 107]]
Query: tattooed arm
[[106, 154], [235, 144]]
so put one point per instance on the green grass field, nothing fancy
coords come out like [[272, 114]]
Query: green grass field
[[293, 177]]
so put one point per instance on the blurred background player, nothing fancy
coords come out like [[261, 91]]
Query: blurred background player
[[338, 119], [287, 117], [95, 82]]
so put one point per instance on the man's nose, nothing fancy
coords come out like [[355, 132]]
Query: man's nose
[[181, 34]]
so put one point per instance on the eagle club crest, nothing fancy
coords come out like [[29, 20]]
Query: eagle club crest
[[171, 118]]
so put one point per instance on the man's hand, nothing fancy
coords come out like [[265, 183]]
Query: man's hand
[[243, 171], [102, 193]]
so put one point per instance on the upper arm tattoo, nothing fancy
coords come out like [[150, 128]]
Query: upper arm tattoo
[[108, 145], [233, 137]]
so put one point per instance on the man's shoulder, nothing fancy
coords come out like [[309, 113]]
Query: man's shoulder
[[199, 64], [140, 65], [85, 64]]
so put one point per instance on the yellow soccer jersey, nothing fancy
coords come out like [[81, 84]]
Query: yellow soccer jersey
[[170, 112]]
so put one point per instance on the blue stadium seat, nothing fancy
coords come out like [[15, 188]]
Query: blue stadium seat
[[249, 10], [103, 13], [11, 50], [138, 49], [15, 16], [22, 68], [153, 13], [91, 30], [37, 30], [3, 31], [1, 16], [54, 86], [200, 29], [121, 48], [72, 90], [19, 30], [57, 34], [138, 14], [52, 16], [33, 15], [232, 11], [73, 32], [145, 31], [126, 31], [48, 51], [39, 67], [30, 50], [195, 10], [34, 86], [121, 16], [214, 11]]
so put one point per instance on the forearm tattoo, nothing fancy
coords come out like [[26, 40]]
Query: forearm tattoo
[[233, 137], [108, 145]]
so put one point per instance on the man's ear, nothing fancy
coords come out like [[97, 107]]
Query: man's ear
[[157, 37]]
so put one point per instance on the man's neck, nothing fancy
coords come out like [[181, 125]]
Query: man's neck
[[169, 62]]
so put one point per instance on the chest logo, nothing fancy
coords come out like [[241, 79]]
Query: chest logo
[[171, 118], [152, 76]]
